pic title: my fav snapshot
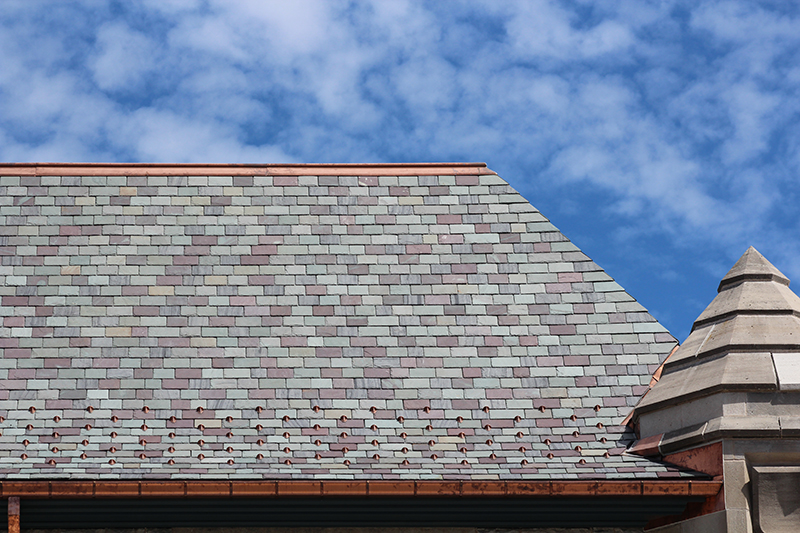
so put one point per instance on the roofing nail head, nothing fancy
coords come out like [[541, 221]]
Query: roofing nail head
[[573, 418], [145, 409], [90, 409], [260, 456], [463, 450], [229, 449], [26, 442], [112, 462], [259, 427], [230, 461], [374, 442], [229, 435], [172, 435], [113, 434], [115, 419], [347, 462], [201, 456], [404, 450], [32, 409], [492, 456], [517, 419], [318, 442], [260, 442], [316, 427], [83, 456], [459, 419], [201, 427], [29, 427], [316, 408], [200, 409], [376, 457], [489, 442], [485, 408], [144, 427], [87, 427], [550, 455], [229, 419], [56, 419], [171, 449], [85, 442], [403, 435], [373, 427], [201, 442], [54, 449], [286, 418], [429, 428], [142, 456], [373, 409], [173, 419], [171, 462], [23, 456], [112, 450]]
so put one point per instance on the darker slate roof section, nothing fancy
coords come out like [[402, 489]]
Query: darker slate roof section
[[415, 322]]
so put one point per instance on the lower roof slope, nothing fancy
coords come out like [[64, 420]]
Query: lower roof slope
[[384, 322]]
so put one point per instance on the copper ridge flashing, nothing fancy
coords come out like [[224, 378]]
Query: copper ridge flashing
[[207, 169], [189, 489]]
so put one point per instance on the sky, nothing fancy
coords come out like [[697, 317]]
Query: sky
[[661, 137]]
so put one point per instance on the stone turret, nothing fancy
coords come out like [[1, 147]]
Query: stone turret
[[735, 381]]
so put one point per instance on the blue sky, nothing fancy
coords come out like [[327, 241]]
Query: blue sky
[[661, 137]]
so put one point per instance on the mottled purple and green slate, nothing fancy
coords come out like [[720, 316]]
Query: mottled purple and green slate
[[336, 327]]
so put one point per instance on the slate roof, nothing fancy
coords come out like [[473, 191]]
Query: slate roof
[[329, 322]]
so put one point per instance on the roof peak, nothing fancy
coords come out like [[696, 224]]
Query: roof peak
[[752, 266]]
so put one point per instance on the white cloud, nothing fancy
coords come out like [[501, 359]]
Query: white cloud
[[689, 128]]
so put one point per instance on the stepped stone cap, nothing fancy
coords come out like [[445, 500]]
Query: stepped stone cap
[[752, 266], [746, 341]]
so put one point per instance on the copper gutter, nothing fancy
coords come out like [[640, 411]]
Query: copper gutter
[[184, 489], [286, 169]]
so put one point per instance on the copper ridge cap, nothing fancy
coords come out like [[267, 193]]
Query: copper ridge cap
[[242, 169], [752, 266], [249, 165]]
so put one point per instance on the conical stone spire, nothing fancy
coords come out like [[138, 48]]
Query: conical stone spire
[[746, 343]]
